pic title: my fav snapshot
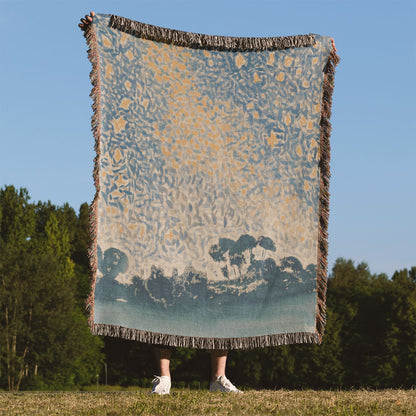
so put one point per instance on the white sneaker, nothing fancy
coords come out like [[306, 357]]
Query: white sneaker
[[223, 385], [161, 385]]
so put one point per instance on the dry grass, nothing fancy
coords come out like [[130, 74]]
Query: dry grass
[[200, 402]]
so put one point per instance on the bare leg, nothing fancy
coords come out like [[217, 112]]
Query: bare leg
[[163, 360], [162, 383], [219, 381], [218, 363]]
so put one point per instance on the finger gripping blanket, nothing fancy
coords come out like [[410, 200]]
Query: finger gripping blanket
[[209, 223]]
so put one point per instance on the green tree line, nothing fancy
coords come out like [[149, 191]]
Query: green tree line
[[45, 342]]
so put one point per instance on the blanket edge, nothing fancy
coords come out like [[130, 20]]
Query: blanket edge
[[213, 42], [325, 174], [93, 57], [204, 342]]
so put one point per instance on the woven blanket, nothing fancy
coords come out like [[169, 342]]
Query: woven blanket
[[210, 215]]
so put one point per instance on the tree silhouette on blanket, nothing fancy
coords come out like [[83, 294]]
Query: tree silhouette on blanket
[[110, 265], [247, 260], [247, 268], [238, 259]]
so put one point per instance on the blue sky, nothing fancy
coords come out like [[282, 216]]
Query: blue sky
[[46, 145]]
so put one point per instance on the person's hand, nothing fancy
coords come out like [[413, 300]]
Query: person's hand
[[333, 45], [86, 21]]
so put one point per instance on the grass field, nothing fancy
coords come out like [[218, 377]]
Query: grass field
[[201, 402]]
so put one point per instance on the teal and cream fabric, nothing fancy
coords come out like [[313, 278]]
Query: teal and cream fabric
[[206, 221]]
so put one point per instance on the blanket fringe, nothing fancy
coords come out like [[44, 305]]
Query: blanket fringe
[[201, 41], [201, 342], [325, 174], [96, 130]]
